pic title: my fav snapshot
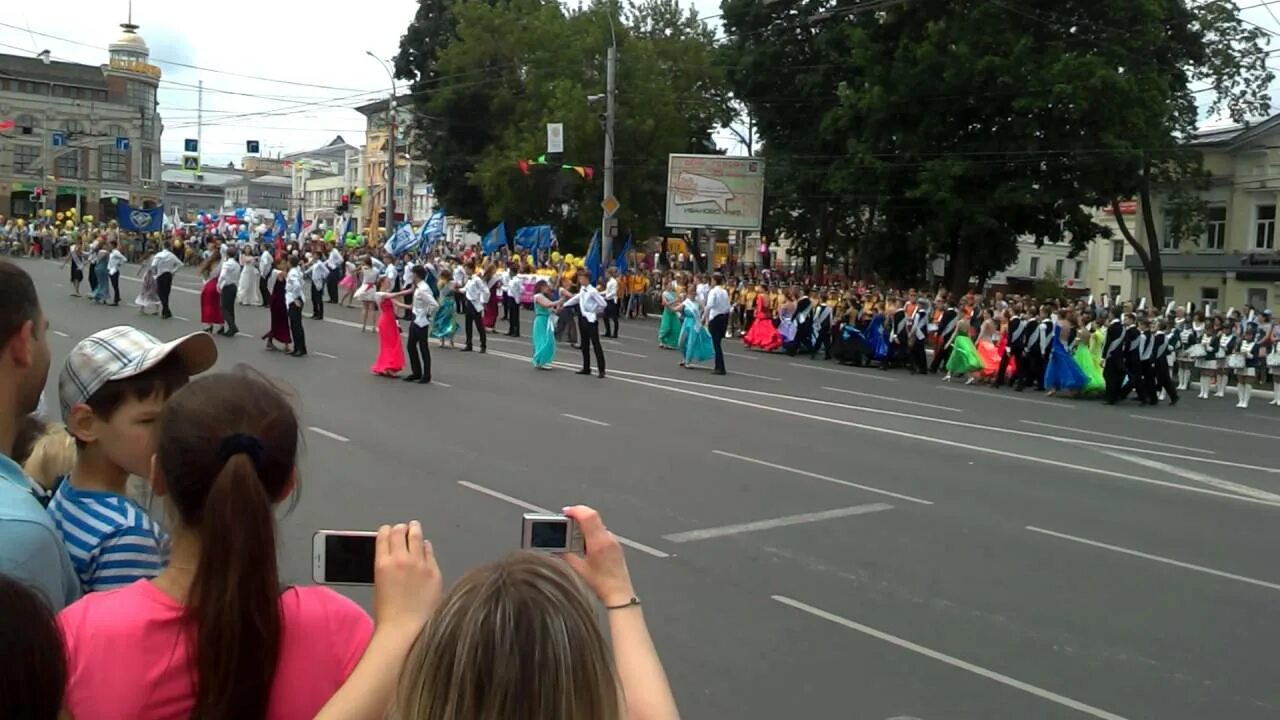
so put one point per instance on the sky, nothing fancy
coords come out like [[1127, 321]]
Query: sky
[[286, 78]]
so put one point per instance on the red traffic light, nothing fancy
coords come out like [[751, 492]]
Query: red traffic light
[[346, 199]]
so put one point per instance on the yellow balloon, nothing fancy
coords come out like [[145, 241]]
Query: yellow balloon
[[569, 258], [71, 211], [88, 218], [59, 216], [48, 213], [22, 223], [555, 256], [70, 224]]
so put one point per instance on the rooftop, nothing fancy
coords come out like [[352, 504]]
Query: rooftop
[[24, 67], [174, 174], [380, 106]]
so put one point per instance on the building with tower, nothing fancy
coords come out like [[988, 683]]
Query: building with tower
[[82, 136]]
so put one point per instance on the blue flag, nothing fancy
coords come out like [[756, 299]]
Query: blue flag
[[623, 262], [297, 223], [432, 230], [402, 241], [592, 262], [132, 219], [546, 238], [495, 239]]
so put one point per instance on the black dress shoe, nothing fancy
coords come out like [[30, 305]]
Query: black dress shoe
[[583, 372], [411, 378], [466, 349], [424, 381], [295, 353], [601, 374], [718, 372]]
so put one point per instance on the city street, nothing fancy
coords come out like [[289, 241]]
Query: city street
[[810, 540]]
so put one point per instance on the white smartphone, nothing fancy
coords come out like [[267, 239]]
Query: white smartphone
[[551, 533], [343, 557]]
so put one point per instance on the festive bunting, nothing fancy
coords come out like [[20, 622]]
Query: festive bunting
[[584, 171]]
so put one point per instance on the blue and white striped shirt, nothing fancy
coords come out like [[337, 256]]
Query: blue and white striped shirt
[[110, 538]]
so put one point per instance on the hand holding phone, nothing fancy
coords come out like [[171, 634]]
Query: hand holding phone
[[407, 580]]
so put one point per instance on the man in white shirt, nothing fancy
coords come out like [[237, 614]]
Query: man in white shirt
[[717, 312], [166, 264], [476, 294], [114, 261], [515, 288], [459, 282], [337, 269], [319, 277], [293, 302], [418, 346], [611, 304], [265, 262], [590, 305], [228, 284]]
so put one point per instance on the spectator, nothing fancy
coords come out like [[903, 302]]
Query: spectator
[[520, 638], [216, 635], [30, 550], [52, 455], [112, 387], [34, 674]]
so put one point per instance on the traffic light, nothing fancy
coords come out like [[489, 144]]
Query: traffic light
[[37, 195], [345, 205]]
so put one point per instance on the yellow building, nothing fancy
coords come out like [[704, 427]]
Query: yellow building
[[1234, 262]]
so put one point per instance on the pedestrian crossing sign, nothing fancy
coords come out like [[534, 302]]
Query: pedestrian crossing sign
[[191, 163]]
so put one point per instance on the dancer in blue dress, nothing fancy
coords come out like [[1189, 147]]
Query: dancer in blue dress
[[1062, 374], [695, 340], [544, 332]]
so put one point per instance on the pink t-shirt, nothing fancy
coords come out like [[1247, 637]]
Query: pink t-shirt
[[127, 657]]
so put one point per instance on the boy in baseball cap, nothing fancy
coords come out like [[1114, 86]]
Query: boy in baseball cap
[[112, 389]]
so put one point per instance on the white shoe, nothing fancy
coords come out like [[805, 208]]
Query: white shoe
[[946, 378]]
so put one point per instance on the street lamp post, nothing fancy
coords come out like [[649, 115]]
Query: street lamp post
[[391, 147], [611, 71]]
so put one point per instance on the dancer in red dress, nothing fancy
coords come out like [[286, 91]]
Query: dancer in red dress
[[762, 335], [390, 352], [210, 301]]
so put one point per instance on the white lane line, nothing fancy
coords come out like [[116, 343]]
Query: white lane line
[[955, 662], [179, 317], [892, 399], [624, 352], [609, 341], [59, 333], [59, 285], [441, 384], [326, 433], [585, 419], [1011, 398], [1264, 417], [240, 334], [324, 355], [534, 508], [1112, 436], [866, 375], [802, 519], [174, 286], [1206, 427], [758, 377], [344, 323], [740, 356], [629, 376], [1157, 558], [816, 476], [1194, 476]]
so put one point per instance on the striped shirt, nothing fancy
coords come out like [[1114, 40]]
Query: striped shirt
[[110, 538]]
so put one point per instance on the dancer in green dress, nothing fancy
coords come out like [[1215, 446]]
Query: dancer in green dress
[[669, 330], [444, 326], [544, 333]]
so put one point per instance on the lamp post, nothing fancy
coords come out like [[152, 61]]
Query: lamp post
[[391, 147]]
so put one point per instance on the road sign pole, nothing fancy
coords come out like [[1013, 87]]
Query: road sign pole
[[606, 221]]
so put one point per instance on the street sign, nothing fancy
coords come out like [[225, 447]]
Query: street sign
[[122, 143], [555, 138], [610, 206], [58, 139], [191, 163], [715, 191], [191, 145], [251, 147]]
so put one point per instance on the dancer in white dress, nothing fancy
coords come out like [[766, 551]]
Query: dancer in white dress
[[248, 290]]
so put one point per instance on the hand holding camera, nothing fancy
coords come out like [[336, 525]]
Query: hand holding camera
[[603, 566]]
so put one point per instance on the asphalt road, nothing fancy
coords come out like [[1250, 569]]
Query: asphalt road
[[813, 541]]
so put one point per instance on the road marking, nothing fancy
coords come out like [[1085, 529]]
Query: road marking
[[724, 530], [179, 317], [868, 376], [324, 355], [59, 285], [892, 399], [59, 333], [534, 508], [1194, 476], [624, 352], [609, 341], [816, 476], [240, 334], [1157, 558], [175, 286], [345, 323], [1264, 417], [441, 384], [950, 660], [1010, 398], [1112, 436], [1206, 427], [739, 356], [758, 377], [326, 433], [585, 420]]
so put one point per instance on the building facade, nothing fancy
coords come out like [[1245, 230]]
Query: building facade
[[86, 136], [264, 192], [374, 163], [187, 194]]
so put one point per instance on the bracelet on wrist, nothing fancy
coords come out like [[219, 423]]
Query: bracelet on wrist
[[633, 602]]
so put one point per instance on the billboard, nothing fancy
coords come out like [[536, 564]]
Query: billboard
[[715, 191]]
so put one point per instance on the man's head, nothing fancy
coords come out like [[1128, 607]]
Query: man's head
[[114, 385], [24, 344], [419, 273], [717, 279]]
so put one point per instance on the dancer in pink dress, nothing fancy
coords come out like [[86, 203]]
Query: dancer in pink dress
[[390, 352]]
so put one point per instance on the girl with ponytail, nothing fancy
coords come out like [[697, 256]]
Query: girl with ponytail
[[215, 636]]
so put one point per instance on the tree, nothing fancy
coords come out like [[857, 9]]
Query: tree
[[512, 66]]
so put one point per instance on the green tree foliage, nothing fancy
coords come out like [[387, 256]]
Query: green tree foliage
[[499, 71]]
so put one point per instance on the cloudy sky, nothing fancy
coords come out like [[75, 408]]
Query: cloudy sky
[[272, 71], [283, 73]]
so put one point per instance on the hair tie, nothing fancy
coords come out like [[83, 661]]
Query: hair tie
[[239, 443]]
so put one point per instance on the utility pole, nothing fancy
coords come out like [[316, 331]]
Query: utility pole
[[391, 165], [607, 221], [199, 123]]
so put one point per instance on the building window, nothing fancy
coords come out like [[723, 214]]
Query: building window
[[1113, 291], [1035, 267], [1215, 228], [1169, 293], [26, 159], [1256, 298], [148, 159], [112, 164], [1168, 241], [68, 165], [1058, 266], [1208, 295], [1117, 251], [27, 125], [1264, 232], [1077, 270]]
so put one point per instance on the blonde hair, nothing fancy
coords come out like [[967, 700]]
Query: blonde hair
[[52, 456], [515, 640]]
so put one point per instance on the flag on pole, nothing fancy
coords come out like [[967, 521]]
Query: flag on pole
[[592, 262], [495, 239], [432, 230], [402, 241], [297, 223], [623, 261]]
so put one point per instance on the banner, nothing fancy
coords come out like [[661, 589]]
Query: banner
[[402, 241], [133, 219], [535, 237], [432, 230], [592, 262], [624, 262], [495, 239]]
